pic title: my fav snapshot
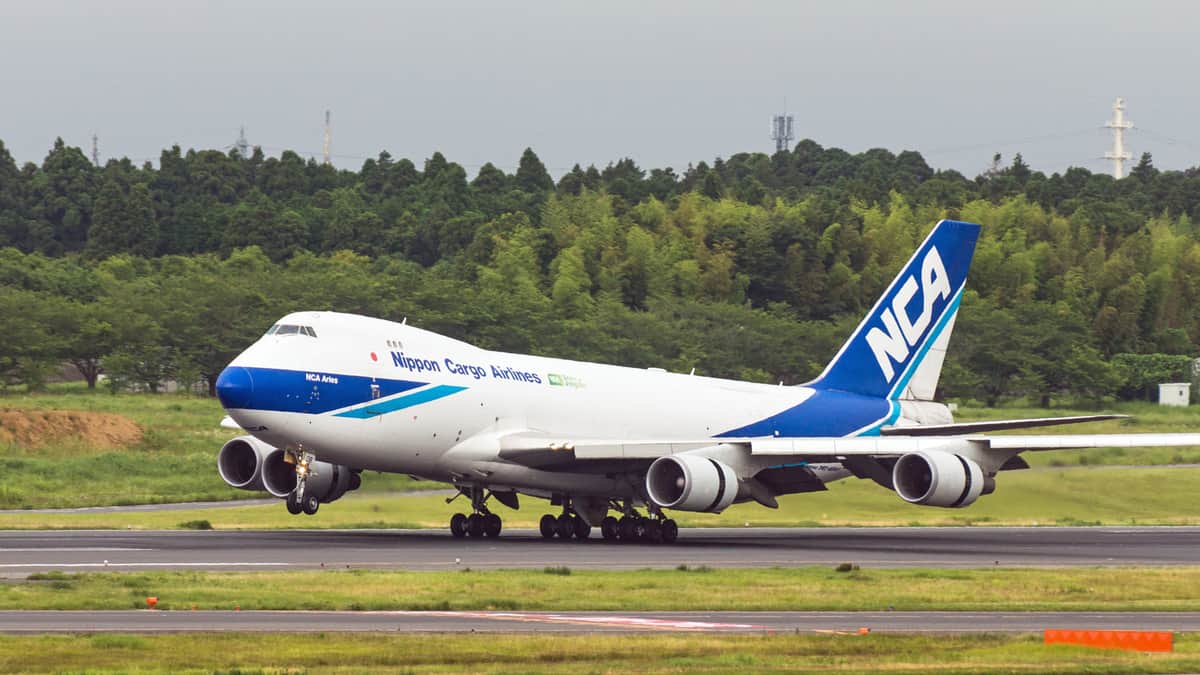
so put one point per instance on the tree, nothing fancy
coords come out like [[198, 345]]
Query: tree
[[532, 175], [124, 221], [1144, 171]]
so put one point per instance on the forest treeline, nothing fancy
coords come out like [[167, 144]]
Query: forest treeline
[[754, 267]]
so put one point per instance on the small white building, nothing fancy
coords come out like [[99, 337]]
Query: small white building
[[1174, 393]]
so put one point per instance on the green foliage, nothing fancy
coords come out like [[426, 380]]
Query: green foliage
[[753, 266], [1142, 373], [196, 525]]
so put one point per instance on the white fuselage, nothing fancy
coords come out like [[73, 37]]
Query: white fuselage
[[461, 398]]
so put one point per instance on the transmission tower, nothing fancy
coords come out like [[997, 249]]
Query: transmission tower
[[328, 135], [95, 150], [242, 145], [1118, 124], [781, 131]]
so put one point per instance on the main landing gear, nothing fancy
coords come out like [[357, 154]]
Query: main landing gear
[[565, 526], [628, 528], [655, 529], [481, 523]]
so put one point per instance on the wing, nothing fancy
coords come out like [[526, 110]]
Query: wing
[[991, 425], [539, 451], [769, 467]]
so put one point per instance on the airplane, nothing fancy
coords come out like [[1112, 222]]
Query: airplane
[[327, 395]]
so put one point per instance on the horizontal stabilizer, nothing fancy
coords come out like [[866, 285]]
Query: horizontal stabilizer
[[991, 425]]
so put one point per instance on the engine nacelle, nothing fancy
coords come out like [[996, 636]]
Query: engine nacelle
[[240, 462], [327, 481], [691, 483], [935, 478]]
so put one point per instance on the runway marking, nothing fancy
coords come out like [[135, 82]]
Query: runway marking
[[614, 621], [149, 564], [67, 549]]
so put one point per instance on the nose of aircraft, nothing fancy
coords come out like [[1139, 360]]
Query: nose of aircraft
[[235, 387]]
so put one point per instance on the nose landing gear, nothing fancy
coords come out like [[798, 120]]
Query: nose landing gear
[[297, 501]]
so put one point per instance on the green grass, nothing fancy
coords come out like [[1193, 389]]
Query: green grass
[[1091, 496], [506, 653], [565, 589], [176, 461]]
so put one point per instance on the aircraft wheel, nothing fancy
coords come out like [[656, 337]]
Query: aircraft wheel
[[293, 504], [608, 528], [652, 531], [311, 504], [475, 525], [582, 529], [548, 525], [458, 525], [670, 531], [492, 525], [627, 528], [565, 526]]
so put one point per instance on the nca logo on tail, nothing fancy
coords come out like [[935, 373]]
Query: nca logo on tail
[[901, 331]]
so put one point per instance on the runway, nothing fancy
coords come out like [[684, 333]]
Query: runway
[[25, 552], [152, 621]]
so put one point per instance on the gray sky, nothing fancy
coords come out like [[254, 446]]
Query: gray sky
[[662, 82]]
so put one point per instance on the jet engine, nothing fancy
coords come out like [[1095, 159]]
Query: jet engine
[[691, 483], [240, 462], [936, 478], [327, 481]]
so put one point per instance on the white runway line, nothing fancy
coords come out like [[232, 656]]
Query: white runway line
[[83, 549], [146, 564]]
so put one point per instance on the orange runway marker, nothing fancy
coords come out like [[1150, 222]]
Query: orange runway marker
[[1133, 640]]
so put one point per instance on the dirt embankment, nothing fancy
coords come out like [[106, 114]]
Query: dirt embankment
[[38, 428]]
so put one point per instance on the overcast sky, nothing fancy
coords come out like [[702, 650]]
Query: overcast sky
[[665, 83]]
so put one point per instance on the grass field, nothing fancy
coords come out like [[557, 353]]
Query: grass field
[[506, 653], [176, 457], [1080, 496], [564, 589], [176, 460]]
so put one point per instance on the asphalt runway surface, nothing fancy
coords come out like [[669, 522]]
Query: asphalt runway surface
[[25, 552], [155, 621]]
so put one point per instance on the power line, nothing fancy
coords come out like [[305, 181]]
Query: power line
[[1015, 141], [1169, 140]]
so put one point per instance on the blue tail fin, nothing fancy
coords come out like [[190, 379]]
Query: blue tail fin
[[897, 350]]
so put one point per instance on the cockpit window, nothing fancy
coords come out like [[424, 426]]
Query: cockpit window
[[290, 329]]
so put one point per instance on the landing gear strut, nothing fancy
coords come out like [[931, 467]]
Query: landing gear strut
[[297, 501], [481, 523]]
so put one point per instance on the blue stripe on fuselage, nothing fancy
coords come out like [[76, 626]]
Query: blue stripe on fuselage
[[384, 407], [314, 392]]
